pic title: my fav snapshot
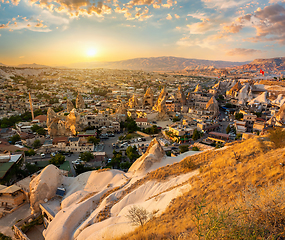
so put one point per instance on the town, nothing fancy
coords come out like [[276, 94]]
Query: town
[[83, 120]]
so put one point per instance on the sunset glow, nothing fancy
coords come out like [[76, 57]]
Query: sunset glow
[[216, 30]]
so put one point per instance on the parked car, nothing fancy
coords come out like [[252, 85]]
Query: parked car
[[77, 161]]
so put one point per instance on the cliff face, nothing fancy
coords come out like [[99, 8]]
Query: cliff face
[[270, 64]]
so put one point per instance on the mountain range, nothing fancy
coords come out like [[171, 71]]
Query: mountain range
[[268, 64], [173, 64], [159, 64]]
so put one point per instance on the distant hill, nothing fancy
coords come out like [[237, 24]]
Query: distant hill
[[2, 65], [160, 64], [269, 64], [34, 65]]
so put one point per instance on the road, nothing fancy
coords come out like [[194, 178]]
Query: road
[[9, 220]]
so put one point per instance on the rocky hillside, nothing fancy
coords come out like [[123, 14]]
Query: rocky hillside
[[270, 64], [160, 64], [237, 193]]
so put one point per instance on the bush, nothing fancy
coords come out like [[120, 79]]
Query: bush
[[36, 143], [138, 215], [4, 237], [86, 156], [188, 164], [277, 136], [57, 160], [15, 138], [30, 152], [195, 148], [80, 168], [93, 140], [238, 116], [183, 148]]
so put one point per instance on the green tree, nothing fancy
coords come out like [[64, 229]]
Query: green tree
[[36, 143], [35, 127], [15, 138], [80, 168], [125, 165], [30, 152], [238, 116], [175, 119], [116, 159], [195, 135], [41, 131], [132, 153], [94, 140], [228, 129], [86, 156], [57, 160], [183, 148]]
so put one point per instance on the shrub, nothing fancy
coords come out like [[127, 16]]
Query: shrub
[[183, 148], [57, 160], [138, 215], [4, 237], [195, 148], [277, 136]]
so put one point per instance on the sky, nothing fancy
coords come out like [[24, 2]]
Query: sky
[[62, 32]]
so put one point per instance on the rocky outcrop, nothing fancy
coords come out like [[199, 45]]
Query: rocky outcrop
[[73, 122], [213, 106], [60, 125], [279, 118], [148, 99], [133, 102], [154, 154], [180, 96], [161, 96], [69, 105], [234, 90], [122, 109], [79, 102], [198, 88], [43, 187]]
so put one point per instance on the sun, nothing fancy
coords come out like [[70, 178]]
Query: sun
[[91, 52]]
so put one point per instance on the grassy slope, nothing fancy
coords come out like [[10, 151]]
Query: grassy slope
[[224, 175]]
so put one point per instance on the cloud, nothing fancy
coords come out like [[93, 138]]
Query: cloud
[[222, 4], [169, 17], [242, 51], [5, 25], [270, 24], [202, 27], [176, 16], [233, 28]]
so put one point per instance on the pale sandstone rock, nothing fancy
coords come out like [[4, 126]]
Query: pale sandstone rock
[[44, 186]]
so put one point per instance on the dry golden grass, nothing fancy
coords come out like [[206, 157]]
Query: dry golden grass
[[224, 175]]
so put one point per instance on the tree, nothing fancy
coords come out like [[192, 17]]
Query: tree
[[30, 152], [57, 160], [183, 148], [175, 119], [238, 116], [138, 215], [228, 129], [35, 127], [80, 168], [37, 143], [125, 165], [116, 159], [195, 148], [196, 135], [41, 131], [15, 138], [94, 140], [86, 156], [132, 153]]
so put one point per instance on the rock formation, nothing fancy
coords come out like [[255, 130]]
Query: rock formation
[[243, 95], [80, 102], [153, 154], [162, 109], [122, 109], [133, 102], [234, 90], [213, 106], [261, 99], [44, 186], [279, 118], [148, 99], [198, 88], [73, 122], [69, 105], [59, 125], [161, 96], [180, 95]]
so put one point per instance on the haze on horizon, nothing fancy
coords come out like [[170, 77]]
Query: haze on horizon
[[65, 31]]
